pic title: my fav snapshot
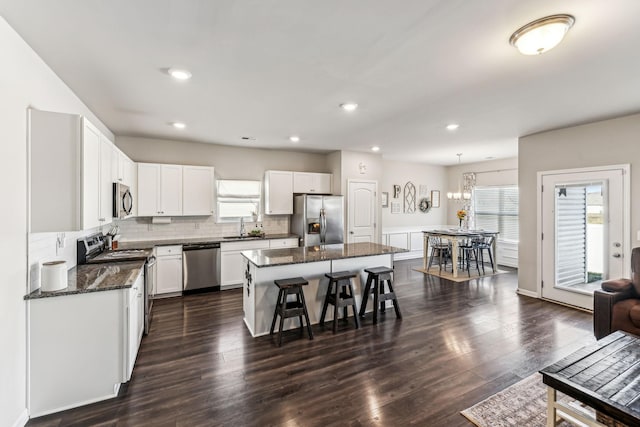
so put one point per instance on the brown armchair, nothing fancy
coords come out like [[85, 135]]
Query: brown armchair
[[617, 305]]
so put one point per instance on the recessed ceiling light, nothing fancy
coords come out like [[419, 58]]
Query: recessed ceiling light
[[349, 106], [452, 126], [375, 148], [179, 73], [178, 125], [294, 138], [542, 34]]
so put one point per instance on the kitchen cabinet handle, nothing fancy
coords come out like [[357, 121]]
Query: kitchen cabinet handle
[[101, 219]]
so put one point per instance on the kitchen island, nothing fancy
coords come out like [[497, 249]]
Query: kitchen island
[[262, 267]]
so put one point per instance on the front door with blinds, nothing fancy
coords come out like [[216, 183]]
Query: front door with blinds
[[583, 232]]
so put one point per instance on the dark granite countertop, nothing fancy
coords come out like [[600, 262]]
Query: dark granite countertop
[[285, 256], [95, 278], [147, 244]]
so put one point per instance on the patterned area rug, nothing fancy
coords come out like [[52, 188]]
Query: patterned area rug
[[462, 274], [522, 404]]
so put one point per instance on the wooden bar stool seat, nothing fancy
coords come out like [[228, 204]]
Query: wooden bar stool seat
[[294, 308], [376, 278], [340, 294]]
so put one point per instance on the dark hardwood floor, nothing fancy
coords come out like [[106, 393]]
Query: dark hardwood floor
[[457, 344]]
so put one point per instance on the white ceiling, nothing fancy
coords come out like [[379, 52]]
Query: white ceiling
[[272, 68]]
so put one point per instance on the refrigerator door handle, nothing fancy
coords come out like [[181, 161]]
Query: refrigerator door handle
[[323, 226]]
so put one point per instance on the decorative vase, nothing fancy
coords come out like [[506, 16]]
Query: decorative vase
[[460, 223]]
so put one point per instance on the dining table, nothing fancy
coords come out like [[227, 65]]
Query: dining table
[[455, 236]]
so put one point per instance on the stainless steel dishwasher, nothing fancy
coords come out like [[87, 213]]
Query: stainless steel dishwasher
[[201, 266]]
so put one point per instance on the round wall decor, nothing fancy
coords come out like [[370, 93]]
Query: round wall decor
[[425, 205]]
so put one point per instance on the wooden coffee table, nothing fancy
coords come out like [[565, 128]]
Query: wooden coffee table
[[604, 376]]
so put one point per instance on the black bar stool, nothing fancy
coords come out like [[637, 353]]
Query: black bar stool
[[377, 276], [340, 295], [286, 308]]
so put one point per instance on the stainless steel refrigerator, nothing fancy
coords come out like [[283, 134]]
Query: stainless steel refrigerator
[[318, 220]]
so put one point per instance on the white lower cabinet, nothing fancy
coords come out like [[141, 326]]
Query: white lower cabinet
[[135, 323], [168, 269], [284, 243], [82, 347], [231, 261]]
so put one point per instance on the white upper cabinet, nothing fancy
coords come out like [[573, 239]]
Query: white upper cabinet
[[69, 173], [278, 192], [106, 181], [91, 194], [124, 169], [197, 190], [159, 190], [312, 183], [148, 189], [170, 190]]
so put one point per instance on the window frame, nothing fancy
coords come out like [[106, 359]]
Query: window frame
[[499, 214], [254, 198]]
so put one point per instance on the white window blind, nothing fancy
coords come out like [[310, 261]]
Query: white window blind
[[496, 208], [238, 199], [571, 234]]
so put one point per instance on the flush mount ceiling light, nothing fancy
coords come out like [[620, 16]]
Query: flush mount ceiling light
[[453, 126], [459, 195], [349, 106], [179, 73], [542, 34], [178, 125], [375, 148], [294, 138]]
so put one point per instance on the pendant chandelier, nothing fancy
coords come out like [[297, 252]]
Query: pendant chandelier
[[459, 195]]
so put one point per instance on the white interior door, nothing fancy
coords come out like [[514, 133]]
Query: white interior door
[[361, 211], [583, 222]]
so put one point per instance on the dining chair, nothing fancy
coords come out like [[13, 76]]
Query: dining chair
[[439, 249], [481, 244], [467, 251]]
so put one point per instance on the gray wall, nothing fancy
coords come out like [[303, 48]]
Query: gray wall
[[434, 177], [229, 162], [602, 143]]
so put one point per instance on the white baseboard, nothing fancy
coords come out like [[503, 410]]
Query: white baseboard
[[527, 293], [75, 404], [22, 419]]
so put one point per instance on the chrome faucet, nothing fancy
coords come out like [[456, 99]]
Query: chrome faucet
[[242, 231]]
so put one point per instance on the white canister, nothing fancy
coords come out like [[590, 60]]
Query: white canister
[[53, 276]]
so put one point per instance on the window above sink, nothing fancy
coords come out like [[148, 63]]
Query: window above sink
[[238, 199]]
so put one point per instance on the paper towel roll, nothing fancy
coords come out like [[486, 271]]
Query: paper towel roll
[[53, 276]]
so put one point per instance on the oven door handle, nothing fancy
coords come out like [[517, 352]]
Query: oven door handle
[[151, 261]]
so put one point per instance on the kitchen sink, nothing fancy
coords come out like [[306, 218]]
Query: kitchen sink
[[246, 237]]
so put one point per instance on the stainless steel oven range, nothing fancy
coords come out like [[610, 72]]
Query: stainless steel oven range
[[92, 249]]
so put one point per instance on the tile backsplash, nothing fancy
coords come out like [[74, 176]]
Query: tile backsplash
[[193, 227]]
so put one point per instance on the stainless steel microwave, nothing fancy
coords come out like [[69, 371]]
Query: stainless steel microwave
[[122, 201]]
